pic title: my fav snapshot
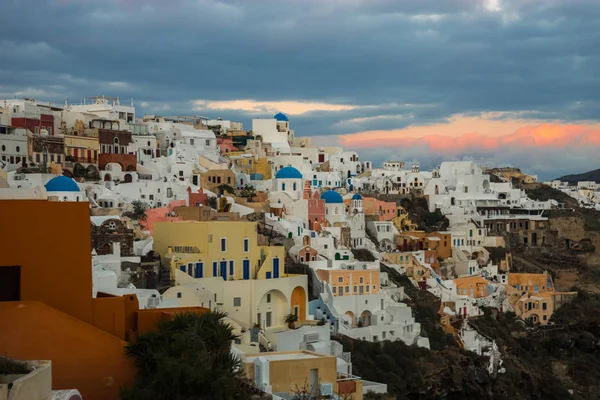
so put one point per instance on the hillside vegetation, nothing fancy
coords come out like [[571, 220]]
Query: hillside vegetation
[[585, 176]]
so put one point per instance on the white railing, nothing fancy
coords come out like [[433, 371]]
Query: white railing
[[262, 339]]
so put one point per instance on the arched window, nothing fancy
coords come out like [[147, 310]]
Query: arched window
[[116, 145]]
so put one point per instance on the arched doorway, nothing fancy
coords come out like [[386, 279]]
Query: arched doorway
[[298, 303], [350, 315], [365, 318], [128, 178], [107, 178], [272, 309]]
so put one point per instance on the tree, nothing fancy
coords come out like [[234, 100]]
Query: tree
[[248, 191], [139, 209], [226, 188], [187, 358], [212, 202]]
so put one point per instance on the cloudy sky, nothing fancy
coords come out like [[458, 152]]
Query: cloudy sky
[[502, 82]]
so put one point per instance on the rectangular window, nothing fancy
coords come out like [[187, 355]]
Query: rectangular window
[[178, 295], [355, 289], [340, 279], [190, 270], [361, 280], [268, 319], [231, 268], [223, 244], [215, 269], [268, 298], [347, 289], [544, 306], [246, 245], [237, 301]]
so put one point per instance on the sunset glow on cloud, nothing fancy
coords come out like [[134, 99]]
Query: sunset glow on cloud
[[466, 134], [252, 106]]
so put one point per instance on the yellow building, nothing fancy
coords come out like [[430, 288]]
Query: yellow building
[[252, 165], [301, 371], [220, 264], [82, 149], [226, 249]]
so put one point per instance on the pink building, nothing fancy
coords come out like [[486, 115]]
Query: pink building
[[162, 214], [316, 209], [382, 210], [197, 199], [226, 145]]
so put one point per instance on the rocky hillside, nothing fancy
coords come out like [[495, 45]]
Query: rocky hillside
[[556, 363], [586, 176]]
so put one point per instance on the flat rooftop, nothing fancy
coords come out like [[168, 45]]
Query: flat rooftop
[[296, 355]]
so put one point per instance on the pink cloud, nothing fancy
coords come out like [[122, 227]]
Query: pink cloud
[[487, 137]]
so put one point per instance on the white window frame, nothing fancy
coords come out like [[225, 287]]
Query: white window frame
[[246, 245], [221, 244]]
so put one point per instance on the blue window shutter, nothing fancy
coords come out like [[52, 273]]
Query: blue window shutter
[[199, 270], [231, 267], [246, 269], [190, 269], [268, 275], [215, 268]]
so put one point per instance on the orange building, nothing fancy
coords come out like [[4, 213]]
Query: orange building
[[46, 294], [533, 296], [473, 286], [441, 242], [345, 282]]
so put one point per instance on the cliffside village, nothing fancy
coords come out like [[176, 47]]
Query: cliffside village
[[135, 219]]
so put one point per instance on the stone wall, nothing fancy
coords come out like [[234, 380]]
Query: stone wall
[[103, 237]]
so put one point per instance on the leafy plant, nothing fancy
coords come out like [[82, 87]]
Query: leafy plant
[[188, 357], [291, 318]]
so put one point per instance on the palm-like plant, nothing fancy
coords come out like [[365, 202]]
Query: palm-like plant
[[186, 358]]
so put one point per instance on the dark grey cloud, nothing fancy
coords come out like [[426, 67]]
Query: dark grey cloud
[[404, 61]]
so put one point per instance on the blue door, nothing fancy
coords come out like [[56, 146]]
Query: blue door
[[268, 275], [223, 268], [191, 269], [231, 268], [182, 267], [246, 268], [276, 268], [215, 269], [199, 270]]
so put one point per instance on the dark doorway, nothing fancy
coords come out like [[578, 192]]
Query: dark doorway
[[10, 283]]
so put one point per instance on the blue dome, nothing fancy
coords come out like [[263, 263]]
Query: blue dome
[[281, 117], [62, 184], [356, 197], [332, 197], [288, 173]]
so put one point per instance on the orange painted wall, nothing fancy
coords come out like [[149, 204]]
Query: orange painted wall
[[351, 279], [51, 242], [299, 299], [83, 357]]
